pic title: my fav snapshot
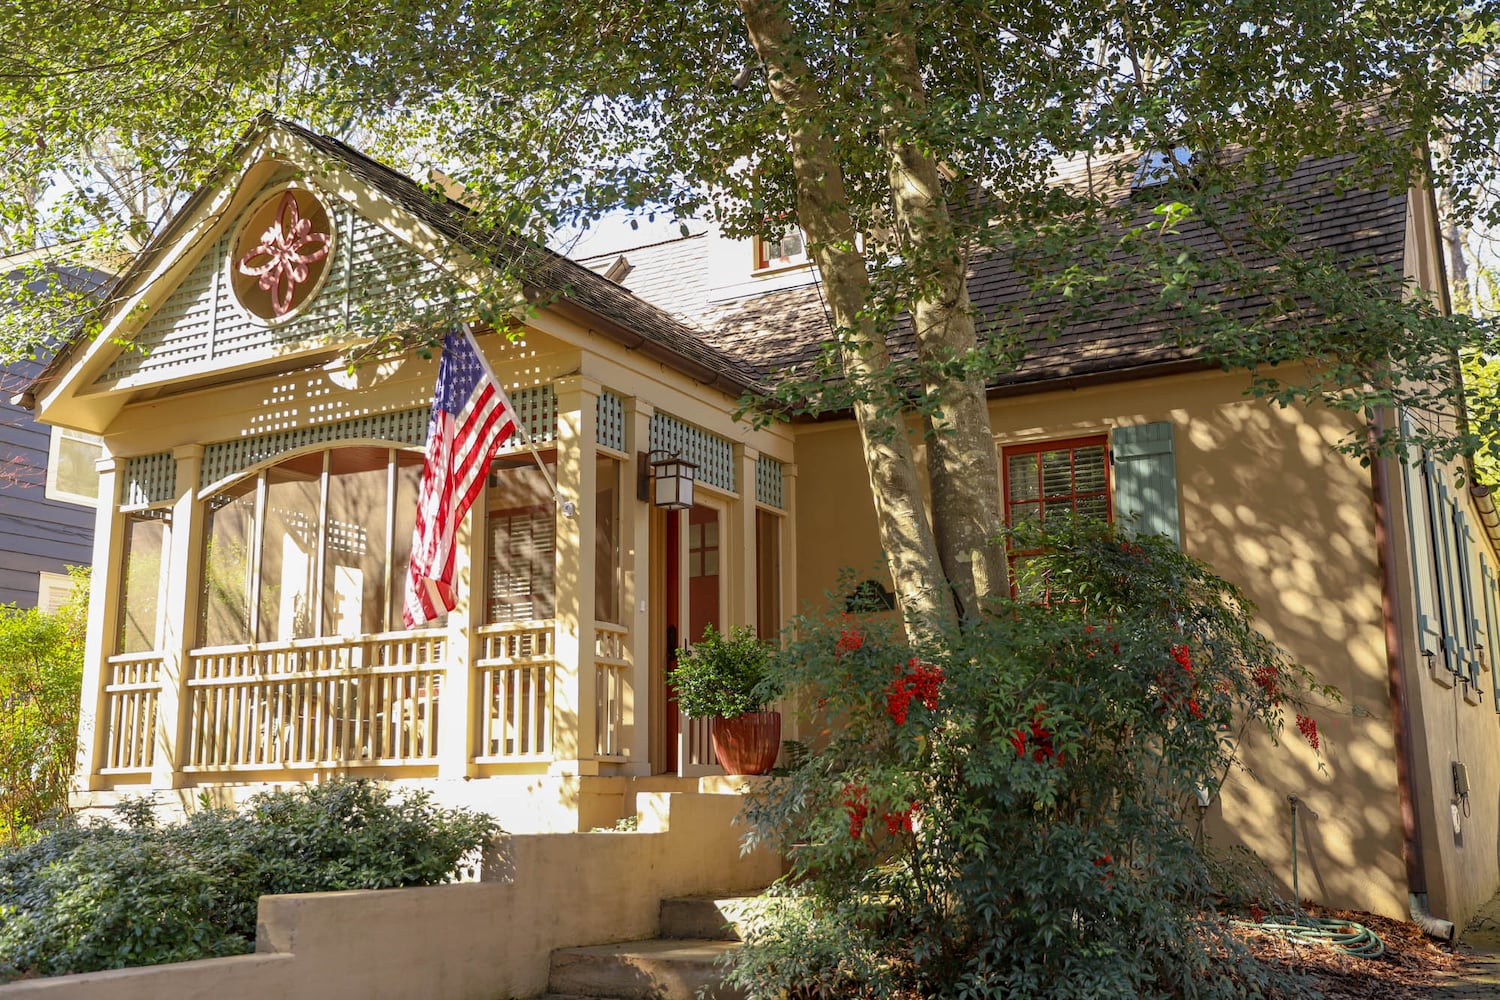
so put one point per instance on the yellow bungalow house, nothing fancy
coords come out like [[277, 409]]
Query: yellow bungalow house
[[257, 500]]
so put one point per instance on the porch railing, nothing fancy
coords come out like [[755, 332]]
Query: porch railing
[[336, 701], [130, 690], [514, 669], [611, 668]]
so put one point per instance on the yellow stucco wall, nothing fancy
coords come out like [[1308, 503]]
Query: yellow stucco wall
[[1267, 503]]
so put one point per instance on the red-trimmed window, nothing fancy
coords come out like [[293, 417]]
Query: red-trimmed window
[[789, 251], [1050, 481]]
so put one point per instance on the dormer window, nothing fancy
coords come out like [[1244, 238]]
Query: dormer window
[[788, 251], [1158, 166]]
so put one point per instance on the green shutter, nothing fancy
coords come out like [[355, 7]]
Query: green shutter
[[1146, 479]]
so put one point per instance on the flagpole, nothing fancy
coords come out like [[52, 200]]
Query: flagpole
[[521, 427]]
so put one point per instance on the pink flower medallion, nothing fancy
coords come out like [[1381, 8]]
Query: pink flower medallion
[[286, 249]]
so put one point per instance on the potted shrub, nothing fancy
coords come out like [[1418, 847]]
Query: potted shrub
[[728, 678]]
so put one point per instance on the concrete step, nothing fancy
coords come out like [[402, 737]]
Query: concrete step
[[707, 917], [660, 969]]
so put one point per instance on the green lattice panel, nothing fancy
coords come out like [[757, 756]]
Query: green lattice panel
[[149, 479], [768, 482], [611, 421], [713, 455], [226, 458]]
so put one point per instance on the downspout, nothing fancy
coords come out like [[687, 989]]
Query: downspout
[[1398, 676]]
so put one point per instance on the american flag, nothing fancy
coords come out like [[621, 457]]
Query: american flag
[[471, 417]]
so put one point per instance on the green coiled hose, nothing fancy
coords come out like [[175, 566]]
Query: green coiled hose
[[1342, 935]]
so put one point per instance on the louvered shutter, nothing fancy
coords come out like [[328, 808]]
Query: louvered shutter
[[1146, 479]]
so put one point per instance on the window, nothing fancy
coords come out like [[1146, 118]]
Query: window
[[787, 250], [767, 574], [521, 542], [148, 536], [607, 541], [71, 471], [315, 545], [1053, 480], [53, 591], [1050, 483], [1159, 167]]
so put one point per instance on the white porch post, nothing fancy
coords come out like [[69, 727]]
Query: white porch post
[[575, 740], [104, 598], [741, 550], [458, 722], [635, 534], [184, 569]]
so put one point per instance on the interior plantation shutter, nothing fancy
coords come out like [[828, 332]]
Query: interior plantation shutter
[[523, 555], [1146, 479]]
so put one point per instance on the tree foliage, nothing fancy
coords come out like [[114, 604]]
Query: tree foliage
[[907, 141], [41, 673]]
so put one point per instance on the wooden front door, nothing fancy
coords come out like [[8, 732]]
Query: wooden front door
[[692, 592]]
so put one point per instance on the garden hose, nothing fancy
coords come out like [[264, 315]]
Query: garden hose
[[1342, 935]]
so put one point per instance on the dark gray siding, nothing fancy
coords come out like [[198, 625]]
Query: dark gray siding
[[36, 533]]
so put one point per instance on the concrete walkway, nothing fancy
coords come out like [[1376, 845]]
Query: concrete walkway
[[1480, 947]]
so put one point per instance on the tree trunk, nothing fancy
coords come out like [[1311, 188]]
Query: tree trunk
[[823, 210], [961, 462]]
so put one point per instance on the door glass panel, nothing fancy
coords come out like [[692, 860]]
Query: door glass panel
[[703, 572]]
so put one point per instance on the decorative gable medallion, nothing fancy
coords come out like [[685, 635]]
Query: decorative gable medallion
[[280, 253]]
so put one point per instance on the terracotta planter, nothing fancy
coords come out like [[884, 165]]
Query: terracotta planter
[[749, 743]]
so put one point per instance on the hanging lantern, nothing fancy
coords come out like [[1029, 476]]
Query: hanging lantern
[[673, 486]]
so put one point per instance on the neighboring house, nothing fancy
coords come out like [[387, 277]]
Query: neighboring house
[[48, 486], [245, 620]]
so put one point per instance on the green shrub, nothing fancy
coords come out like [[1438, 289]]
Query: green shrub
[[41, 674], [1008, 812], [99, 896], [722, 676]]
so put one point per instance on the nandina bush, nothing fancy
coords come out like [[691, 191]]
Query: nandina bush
[[1008, 811]]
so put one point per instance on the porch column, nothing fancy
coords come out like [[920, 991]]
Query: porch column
[[458, 722], [635, 536], [184, 569], [104, 600], [741, 549], [574, 740]]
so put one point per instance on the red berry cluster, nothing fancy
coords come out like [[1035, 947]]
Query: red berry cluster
[[857, 806], [1178, 688], [920, 681], [1309, 730], [1268, 680], [897, 821], [850, 639], [1106, 862], [1038, 737]]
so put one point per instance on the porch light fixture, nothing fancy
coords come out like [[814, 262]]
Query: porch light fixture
[[667, 481]]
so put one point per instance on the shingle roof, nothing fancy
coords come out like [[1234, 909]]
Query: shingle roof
[[784, 331]]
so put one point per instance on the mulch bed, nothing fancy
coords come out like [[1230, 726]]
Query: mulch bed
[[1413, 963]]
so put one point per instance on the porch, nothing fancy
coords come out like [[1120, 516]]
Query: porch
[[248, 635]]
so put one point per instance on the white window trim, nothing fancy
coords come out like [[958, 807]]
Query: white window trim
[[53, 591], [54, 446]]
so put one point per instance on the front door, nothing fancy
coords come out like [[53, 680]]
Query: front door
[[693, 600]]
